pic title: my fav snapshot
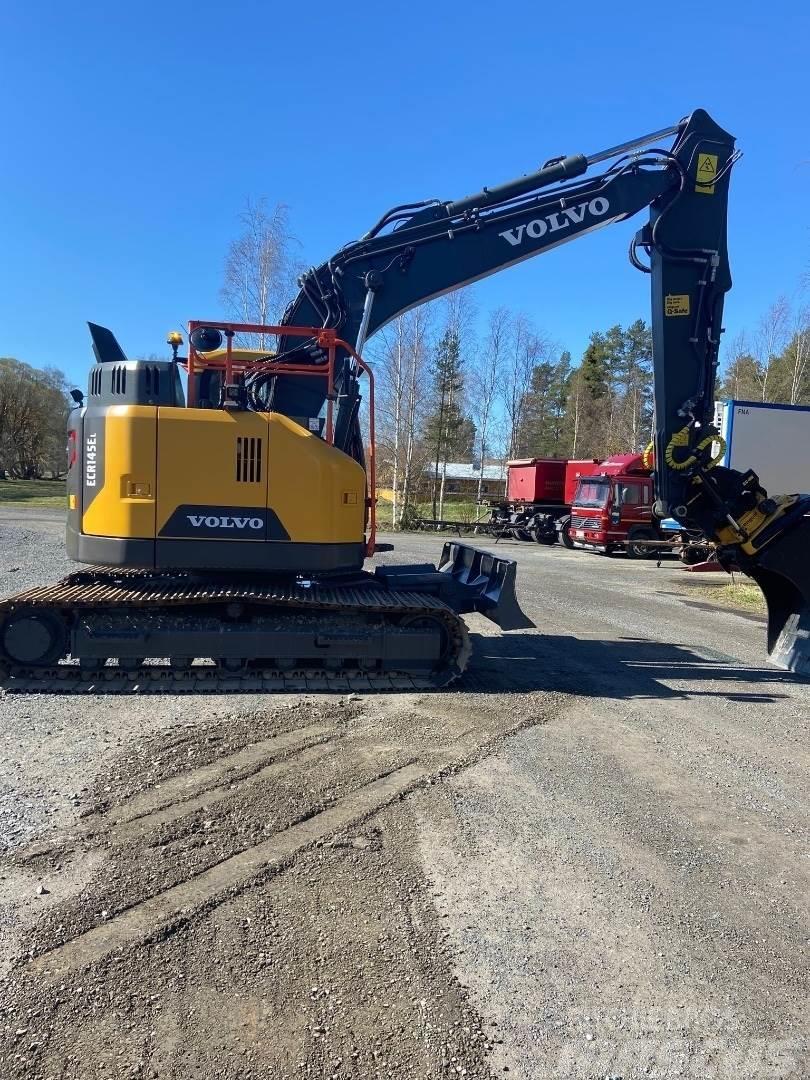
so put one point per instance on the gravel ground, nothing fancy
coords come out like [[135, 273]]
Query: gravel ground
[[586, 860]]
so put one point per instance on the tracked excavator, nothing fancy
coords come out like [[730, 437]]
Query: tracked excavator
[[225, 526]]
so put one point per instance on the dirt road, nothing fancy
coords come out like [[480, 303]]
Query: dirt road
[[586, 860]]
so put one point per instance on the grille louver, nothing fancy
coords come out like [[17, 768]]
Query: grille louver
[[118, 379], [580, 522], [248, 460]]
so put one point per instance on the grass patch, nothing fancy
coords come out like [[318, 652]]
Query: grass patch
[[739, 593], [33, 493], [466, 512]]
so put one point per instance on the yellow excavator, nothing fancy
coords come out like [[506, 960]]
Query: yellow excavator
[[224, 524]]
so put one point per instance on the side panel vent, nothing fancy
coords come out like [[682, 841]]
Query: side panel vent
[[248, 460], [151, 376], [118, 379], [95, 382]]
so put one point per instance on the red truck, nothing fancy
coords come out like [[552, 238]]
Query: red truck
[[605, 506], [612, 509]]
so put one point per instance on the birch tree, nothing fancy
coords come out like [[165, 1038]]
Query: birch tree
[[402, 364], [769, 342], [797, 356], [525, 351], [260, 269], [484, 385]]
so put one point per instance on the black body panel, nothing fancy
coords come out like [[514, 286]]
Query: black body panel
[[109, 550], [284, 558], [234, 555]]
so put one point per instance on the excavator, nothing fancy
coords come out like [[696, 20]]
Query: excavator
[[224, 524]]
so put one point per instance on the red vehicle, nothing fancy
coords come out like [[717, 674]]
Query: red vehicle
[[612, 509], [539, 494]]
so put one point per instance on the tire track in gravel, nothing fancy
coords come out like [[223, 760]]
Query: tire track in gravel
[[395, 770], [146, 919], [241, 764]]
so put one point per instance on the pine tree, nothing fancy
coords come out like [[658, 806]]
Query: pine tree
[[543, 409], [449, 433]]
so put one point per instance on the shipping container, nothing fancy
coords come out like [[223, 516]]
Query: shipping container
[[773, 440]]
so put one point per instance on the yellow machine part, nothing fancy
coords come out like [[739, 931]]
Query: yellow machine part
[[755, 522], [158, 459], [124, 502]]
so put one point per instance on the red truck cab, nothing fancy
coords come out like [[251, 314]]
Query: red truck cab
[[612, 509]]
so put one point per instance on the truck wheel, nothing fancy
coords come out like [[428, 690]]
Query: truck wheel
[[543, 537], [640, 551], [521, 534], [565, 533]]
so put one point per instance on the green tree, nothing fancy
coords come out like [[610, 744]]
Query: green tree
[[448, 431], [542, 413], [609, 396], [33, 411], [632, 373]]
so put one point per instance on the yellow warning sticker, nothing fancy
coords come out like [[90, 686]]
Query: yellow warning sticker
[[676, 305], [706, 172]]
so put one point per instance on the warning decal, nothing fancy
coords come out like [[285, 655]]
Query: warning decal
[[706, 172], [676, 304]]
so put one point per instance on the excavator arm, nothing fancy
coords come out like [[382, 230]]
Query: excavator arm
[[418, 251]]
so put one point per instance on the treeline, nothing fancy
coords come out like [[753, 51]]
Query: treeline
[[33, 412], [771, 363]]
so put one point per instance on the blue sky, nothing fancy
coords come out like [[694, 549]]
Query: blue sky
[[133, 134]]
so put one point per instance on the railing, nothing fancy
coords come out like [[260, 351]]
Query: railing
[[327, 340]]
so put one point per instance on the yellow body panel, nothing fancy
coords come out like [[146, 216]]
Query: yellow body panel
[[317, 492], [197, 459], [156, 460], [124, 504]]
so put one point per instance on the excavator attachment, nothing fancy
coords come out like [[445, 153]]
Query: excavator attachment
[[782, 571]]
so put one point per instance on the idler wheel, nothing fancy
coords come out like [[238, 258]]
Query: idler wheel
[[33, 637]]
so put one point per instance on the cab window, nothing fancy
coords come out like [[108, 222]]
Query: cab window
[[631, 494]]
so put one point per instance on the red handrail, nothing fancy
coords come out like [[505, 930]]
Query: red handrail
[[328, 340]]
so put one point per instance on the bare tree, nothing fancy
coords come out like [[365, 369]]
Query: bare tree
[[798, 354], [419, 348], [769, 343], [740, 376], [526, 349], [260, 269], [402, 359], [484, 385]]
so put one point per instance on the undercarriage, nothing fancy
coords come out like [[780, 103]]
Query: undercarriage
[[143, 630]]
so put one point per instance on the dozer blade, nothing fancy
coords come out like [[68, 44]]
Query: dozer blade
[[487, 583], [782, 571]]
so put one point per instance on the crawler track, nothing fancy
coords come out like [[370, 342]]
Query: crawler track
[[255, 637]]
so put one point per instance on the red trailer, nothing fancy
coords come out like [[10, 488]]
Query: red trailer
[[539, 493]]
